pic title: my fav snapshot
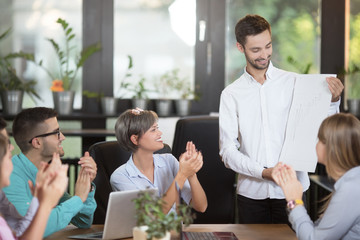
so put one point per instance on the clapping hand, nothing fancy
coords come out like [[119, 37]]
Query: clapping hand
[[89, 165], [46, 171], [285, 177], [191, 160], [83, 185], [52, 184]]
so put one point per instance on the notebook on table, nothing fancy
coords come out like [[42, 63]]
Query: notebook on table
[[208, 236], [120, 216]]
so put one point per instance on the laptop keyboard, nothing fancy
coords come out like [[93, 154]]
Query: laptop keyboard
[[201, 236]]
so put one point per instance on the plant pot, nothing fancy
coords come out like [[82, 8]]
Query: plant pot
[[139, 233], [183, 107], [163, 107], [64, 102], [354, 106], [12, 101], [109, 105], [166, 237], [140, 103], [91, 105]]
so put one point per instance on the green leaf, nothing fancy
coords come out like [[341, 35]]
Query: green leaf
[[68, 31], [63, 23], [87, 52], [5, 34], [71, 37]]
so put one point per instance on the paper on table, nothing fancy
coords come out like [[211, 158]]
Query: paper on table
[[309, 107]]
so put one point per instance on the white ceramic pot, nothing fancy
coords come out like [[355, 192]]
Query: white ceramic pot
[[166, 237], [139, 233]]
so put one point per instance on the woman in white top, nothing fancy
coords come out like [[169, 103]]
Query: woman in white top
[[137, 131]]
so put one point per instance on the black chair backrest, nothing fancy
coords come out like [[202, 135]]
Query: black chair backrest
[[108, 156], [217, 180]]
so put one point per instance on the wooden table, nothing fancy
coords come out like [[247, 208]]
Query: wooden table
[[242, 231]]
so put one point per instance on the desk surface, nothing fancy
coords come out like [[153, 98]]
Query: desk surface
[[242, 231]]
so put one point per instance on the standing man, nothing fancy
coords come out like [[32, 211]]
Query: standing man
[[37, 133], [253, 116]]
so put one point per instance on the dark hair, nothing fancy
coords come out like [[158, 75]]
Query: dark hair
[[3, 123], [27, 124], [250, 25], [133, 122]]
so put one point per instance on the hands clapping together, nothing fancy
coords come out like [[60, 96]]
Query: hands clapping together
[[285, 177], [86, 176], [191, 161], [51, 182]]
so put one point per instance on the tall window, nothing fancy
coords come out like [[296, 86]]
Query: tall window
[[353, 77], [159, 36], [32, 22], [295, 29]]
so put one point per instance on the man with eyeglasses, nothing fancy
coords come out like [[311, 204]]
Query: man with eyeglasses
[[37, 133]]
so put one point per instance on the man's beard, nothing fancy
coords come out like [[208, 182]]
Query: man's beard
[[256, 66], [48, 152]]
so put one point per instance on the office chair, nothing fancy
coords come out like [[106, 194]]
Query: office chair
[[108, 157], [217, 181]]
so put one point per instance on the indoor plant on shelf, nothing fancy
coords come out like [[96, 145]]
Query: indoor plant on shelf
[[139, 90], [151, 219], [165, 86], [352, 88], [63, 80], [12, 87], [186, 94], [139, 98]]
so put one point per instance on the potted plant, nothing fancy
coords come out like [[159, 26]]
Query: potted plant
[[12, 87], [186, 93], [165, 88], [63, 80], [140, 93], [353, 89], [151, 219]]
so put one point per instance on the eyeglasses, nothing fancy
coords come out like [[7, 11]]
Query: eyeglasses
[[48, 134]]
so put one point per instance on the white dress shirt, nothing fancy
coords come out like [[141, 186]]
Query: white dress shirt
[[252, 122]]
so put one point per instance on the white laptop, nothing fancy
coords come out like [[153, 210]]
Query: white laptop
[[120, 216]]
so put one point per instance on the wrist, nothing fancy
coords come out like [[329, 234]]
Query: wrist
[[294, 203], [180, 179]]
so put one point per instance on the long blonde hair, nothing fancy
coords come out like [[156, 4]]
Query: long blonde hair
[[341, 135]]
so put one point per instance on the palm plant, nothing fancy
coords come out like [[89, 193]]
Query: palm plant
[[67, 72], [9, 80]]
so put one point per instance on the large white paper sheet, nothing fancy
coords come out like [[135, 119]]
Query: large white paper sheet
[[310, 105]]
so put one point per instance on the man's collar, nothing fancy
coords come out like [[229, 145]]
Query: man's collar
[[268, 73]]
